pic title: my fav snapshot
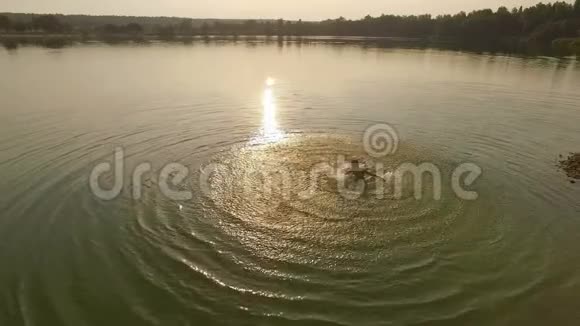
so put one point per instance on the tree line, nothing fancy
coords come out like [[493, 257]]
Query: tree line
[[541, 24], [44, 23]]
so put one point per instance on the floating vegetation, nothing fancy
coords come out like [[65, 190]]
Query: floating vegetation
[[571, 166]]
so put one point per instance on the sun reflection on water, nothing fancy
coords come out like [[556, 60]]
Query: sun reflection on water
[[270, 130]]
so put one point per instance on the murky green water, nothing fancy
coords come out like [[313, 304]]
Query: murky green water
[[236, 254]]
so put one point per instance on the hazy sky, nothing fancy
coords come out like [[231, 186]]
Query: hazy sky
[[290, 9]]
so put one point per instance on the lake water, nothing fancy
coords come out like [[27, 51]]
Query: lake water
[[237, 254]]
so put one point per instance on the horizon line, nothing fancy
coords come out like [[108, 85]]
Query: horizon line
[[277, 18]]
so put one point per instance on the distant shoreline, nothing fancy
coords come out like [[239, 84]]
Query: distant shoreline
[[63, 40], [15, 40], [546, 28]]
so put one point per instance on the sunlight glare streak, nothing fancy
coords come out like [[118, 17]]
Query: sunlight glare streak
[[270, 130]]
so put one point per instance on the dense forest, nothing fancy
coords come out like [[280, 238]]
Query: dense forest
[[550, 26]]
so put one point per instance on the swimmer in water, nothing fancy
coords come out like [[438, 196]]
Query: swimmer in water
[[359, 172]]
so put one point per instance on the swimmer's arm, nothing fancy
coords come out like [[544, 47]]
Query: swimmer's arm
[[374, 175]]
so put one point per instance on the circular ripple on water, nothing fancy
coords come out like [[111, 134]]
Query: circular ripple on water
[[250, 243], [278, 201]]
